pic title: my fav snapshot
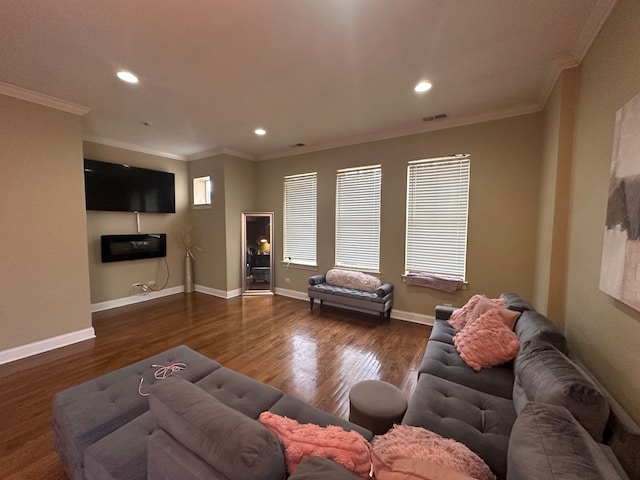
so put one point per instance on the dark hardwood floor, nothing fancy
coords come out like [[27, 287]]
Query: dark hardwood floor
[[315, 356]]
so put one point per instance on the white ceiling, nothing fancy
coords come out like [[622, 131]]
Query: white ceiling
[[319, 72]]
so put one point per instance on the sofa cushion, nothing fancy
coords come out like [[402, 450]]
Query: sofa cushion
[[548, 443], [302, 412], [121, 455], [532, 325], [546, 375], [442, 360], [235, 445], [300, 440], [479, 420], [354, 280], [513, 301], [487, 341], [240, 392], [320, 468], [442, 331]]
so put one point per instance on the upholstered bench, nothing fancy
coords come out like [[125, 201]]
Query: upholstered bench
[[354, 290]]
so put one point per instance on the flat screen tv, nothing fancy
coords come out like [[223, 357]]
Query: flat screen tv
[[122, 188]]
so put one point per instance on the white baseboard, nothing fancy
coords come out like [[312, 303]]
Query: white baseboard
[[45, 345], [219, 293], [395, 314], [292, 294], [121, 302]]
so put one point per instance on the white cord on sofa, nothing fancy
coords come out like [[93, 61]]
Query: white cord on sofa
[[161, 373]]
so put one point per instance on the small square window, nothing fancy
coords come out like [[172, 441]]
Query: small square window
[[201, 191]]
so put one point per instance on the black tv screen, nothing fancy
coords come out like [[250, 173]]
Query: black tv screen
[[122, 188]]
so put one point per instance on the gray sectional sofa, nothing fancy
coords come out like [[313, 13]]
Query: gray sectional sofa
[[197, 424], [501, 412], [539, 417]]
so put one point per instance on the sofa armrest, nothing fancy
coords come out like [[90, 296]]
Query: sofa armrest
[[443, 312], [317, 279], [384, 290]]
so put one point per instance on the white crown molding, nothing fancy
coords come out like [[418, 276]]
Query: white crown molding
[[45, 345], [110, 142], [551, 77], [599, 14], [42, 99], [417, 129], [219, 151]]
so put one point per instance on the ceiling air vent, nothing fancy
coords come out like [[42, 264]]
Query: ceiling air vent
[[296, 145], [440, 116]]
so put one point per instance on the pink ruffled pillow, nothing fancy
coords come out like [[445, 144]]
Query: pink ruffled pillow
[[349, 449], [461, 317], [421, 444], [487, 341], [484, 305]]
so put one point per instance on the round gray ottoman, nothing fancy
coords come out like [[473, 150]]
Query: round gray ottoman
[[376, 405]]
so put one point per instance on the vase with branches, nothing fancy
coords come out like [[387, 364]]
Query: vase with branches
[[187, 239]]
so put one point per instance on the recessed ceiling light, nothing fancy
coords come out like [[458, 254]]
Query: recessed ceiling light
[[260, 131], [127, 77], [422, 87]]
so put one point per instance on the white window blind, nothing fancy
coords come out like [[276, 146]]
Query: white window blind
[[202, 190], [437, 212], [358, 218], [300, 210]]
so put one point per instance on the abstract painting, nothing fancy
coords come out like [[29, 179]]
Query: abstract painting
[[620, 268]]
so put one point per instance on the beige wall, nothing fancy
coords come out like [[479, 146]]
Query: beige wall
[[240, 196], [44, 277], [604, 332], [551, 244], [218, 265], [112, 281], [505, 172]]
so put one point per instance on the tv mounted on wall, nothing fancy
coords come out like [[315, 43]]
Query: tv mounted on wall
[[122, 188]]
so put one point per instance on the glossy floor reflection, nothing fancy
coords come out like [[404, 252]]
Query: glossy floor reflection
[[316, 356]]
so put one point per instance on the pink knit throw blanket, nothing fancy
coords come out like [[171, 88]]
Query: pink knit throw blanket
[[349, 449]]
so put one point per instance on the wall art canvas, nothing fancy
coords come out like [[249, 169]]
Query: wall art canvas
[[620, 268]]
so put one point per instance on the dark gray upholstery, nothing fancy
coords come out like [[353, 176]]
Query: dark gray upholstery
[[442, 360], [548, 442], [85, 413], [535, 326], [121, 454], [479, 420], [548, 376], [235, 445], [516, 302], [479, 408], [319, 468], [242, 393], [442, 331]]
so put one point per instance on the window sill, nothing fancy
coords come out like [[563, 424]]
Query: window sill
[[299, 266], [202, 206]]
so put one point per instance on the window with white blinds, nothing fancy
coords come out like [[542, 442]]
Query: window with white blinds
[[300, 211], [437, 211], [358, 218]]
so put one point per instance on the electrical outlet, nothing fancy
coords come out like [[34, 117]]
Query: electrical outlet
[[287, 280]]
